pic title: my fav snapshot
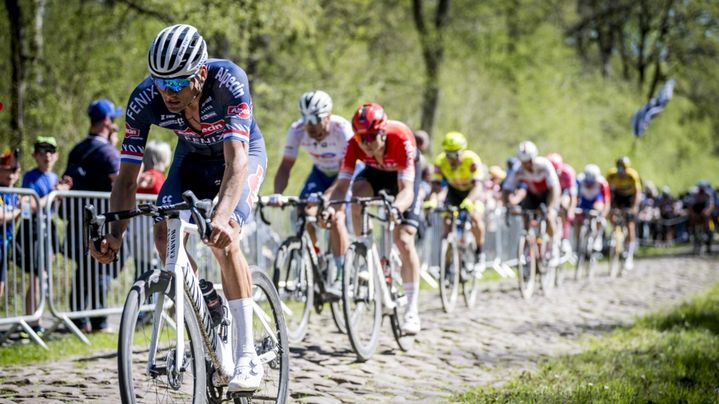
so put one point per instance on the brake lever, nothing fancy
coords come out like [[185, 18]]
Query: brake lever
[[92, 224]]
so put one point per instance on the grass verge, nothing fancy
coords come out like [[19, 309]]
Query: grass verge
[[62, 347], [668, 357]]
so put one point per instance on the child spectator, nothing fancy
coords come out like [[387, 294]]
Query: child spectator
[[42, 180], [156, 159]]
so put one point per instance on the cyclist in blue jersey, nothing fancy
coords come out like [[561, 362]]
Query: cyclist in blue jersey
[[220, 152]]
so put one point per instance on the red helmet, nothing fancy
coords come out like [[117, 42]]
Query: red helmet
[[369, 118], [556, 160]]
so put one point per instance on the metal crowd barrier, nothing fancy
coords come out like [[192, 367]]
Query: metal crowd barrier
[[23, 266], [500, 244]]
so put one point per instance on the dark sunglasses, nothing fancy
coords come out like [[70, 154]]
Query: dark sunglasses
[[175, 85], [452, 155], [12, 169], [45, 149], [369, 137]]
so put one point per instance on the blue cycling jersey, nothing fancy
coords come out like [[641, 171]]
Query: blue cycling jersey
[[225, 113]]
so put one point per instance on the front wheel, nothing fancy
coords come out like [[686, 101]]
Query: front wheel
[[527, 265], [163, 380], [470, 272], [292, 276], [361, 301], [449, 268]]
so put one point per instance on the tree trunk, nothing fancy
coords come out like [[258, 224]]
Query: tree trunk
[[658, 44], [431, 39], [19, 85]]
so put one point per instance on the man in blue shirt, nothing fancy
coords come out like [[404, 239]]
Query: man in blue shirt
[[92, 165]]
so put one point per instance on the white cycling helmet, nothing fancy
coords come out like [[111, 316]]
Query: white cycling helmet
[[527, 151], [592, 172], [315, 105], [178, 51]]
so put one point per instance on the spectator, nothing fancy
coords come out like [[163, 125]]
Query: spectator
[[42, 180], [157, 157], [9, 212], [92, 165]]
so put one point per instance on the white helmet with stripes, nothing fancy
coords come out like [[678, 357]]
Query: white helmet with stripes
[[315, 105], [178, 51]]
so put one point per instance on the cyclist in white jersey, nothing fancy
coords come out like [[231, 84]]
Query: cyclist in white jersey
[[324, 137]]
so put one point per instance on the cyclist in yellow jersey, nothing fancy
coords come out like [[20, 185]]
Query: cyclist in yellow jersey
[[626, 190], [460, 171]]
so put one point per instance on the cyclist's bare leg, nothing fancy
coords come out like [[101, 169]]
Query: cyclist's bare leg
[[360, 189], [477, 217], [404, 239]]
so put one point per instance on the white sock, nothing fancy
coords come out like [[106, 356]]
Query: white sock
[[632, 247], [241, 310], [411, 289]]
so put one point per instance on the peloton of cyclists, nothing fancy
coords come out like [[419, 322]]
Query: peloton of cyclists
[[594, 194]]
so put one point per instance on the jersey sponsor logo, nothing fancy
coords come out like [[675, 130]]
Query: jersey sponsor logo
[[130, 131], [132, 149], [204, 140], [225, 79], [207, 101], [140, 101], [409, 148], [328, 155], [172, 122], [187, 132], [208, 115], [212, 127], [242, 110], [473, 168]]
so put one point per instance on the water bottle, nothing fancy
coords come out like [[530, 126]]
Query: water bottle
[[213, 301]]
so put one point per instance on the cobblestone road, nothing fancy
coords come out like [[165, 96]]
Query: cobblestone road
[[501, 337]]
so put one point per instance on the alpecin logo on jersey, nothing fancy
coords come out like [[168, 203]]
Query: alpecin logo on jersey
[[212, 127], [243, 110]]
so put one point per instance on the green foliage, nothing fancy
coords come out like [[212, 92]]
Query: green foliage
[[510, 72], [668, 357]]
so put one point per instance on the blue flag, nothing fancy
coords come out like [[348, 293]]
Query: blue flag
[[641, 118]]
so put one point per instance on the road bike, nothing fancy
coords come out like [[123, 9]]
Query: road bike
[[459, 266], [371, 283], [301, 274], [157, 363], [534, 252], [590, 236]]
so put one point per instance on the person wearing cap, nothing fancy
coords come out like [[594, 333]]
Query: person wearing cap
[[42, 180], [9, 211], [93, 165], [324, 136]]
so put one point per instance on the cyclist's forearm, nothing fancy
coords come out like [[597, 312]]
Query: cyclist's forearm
[[283, 175], [341, 187], [233, 179], [476, 193], [122, 197]]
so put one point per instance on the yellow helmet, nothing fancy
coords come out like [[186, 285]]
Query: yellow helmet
[[454, 141]]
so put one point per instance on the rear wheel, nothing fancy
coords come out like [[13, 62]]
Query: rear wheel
[[292, 276], [583, 252], [526, 265], [449, 268], [361, 301], [470, 273]]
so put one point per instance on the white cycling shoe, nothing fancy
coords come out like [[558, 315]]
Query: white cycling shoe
[[629, 263], [411, 324], [247, 377]]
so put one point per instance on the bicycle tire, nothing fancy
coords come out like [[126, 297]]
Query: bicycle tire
[[293, 279], [360, 289], [526, 266], [470, 284], [449, 275], [128, 327], [582, 252], [275, 384], [615, 253]]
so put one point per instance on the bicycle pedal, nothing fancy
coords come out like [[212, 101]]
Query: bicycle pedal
[[231, 395]]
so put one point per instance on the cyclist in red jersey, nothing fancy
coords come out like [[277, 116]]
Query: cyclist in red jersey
[[389, 150], [568, 200]]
